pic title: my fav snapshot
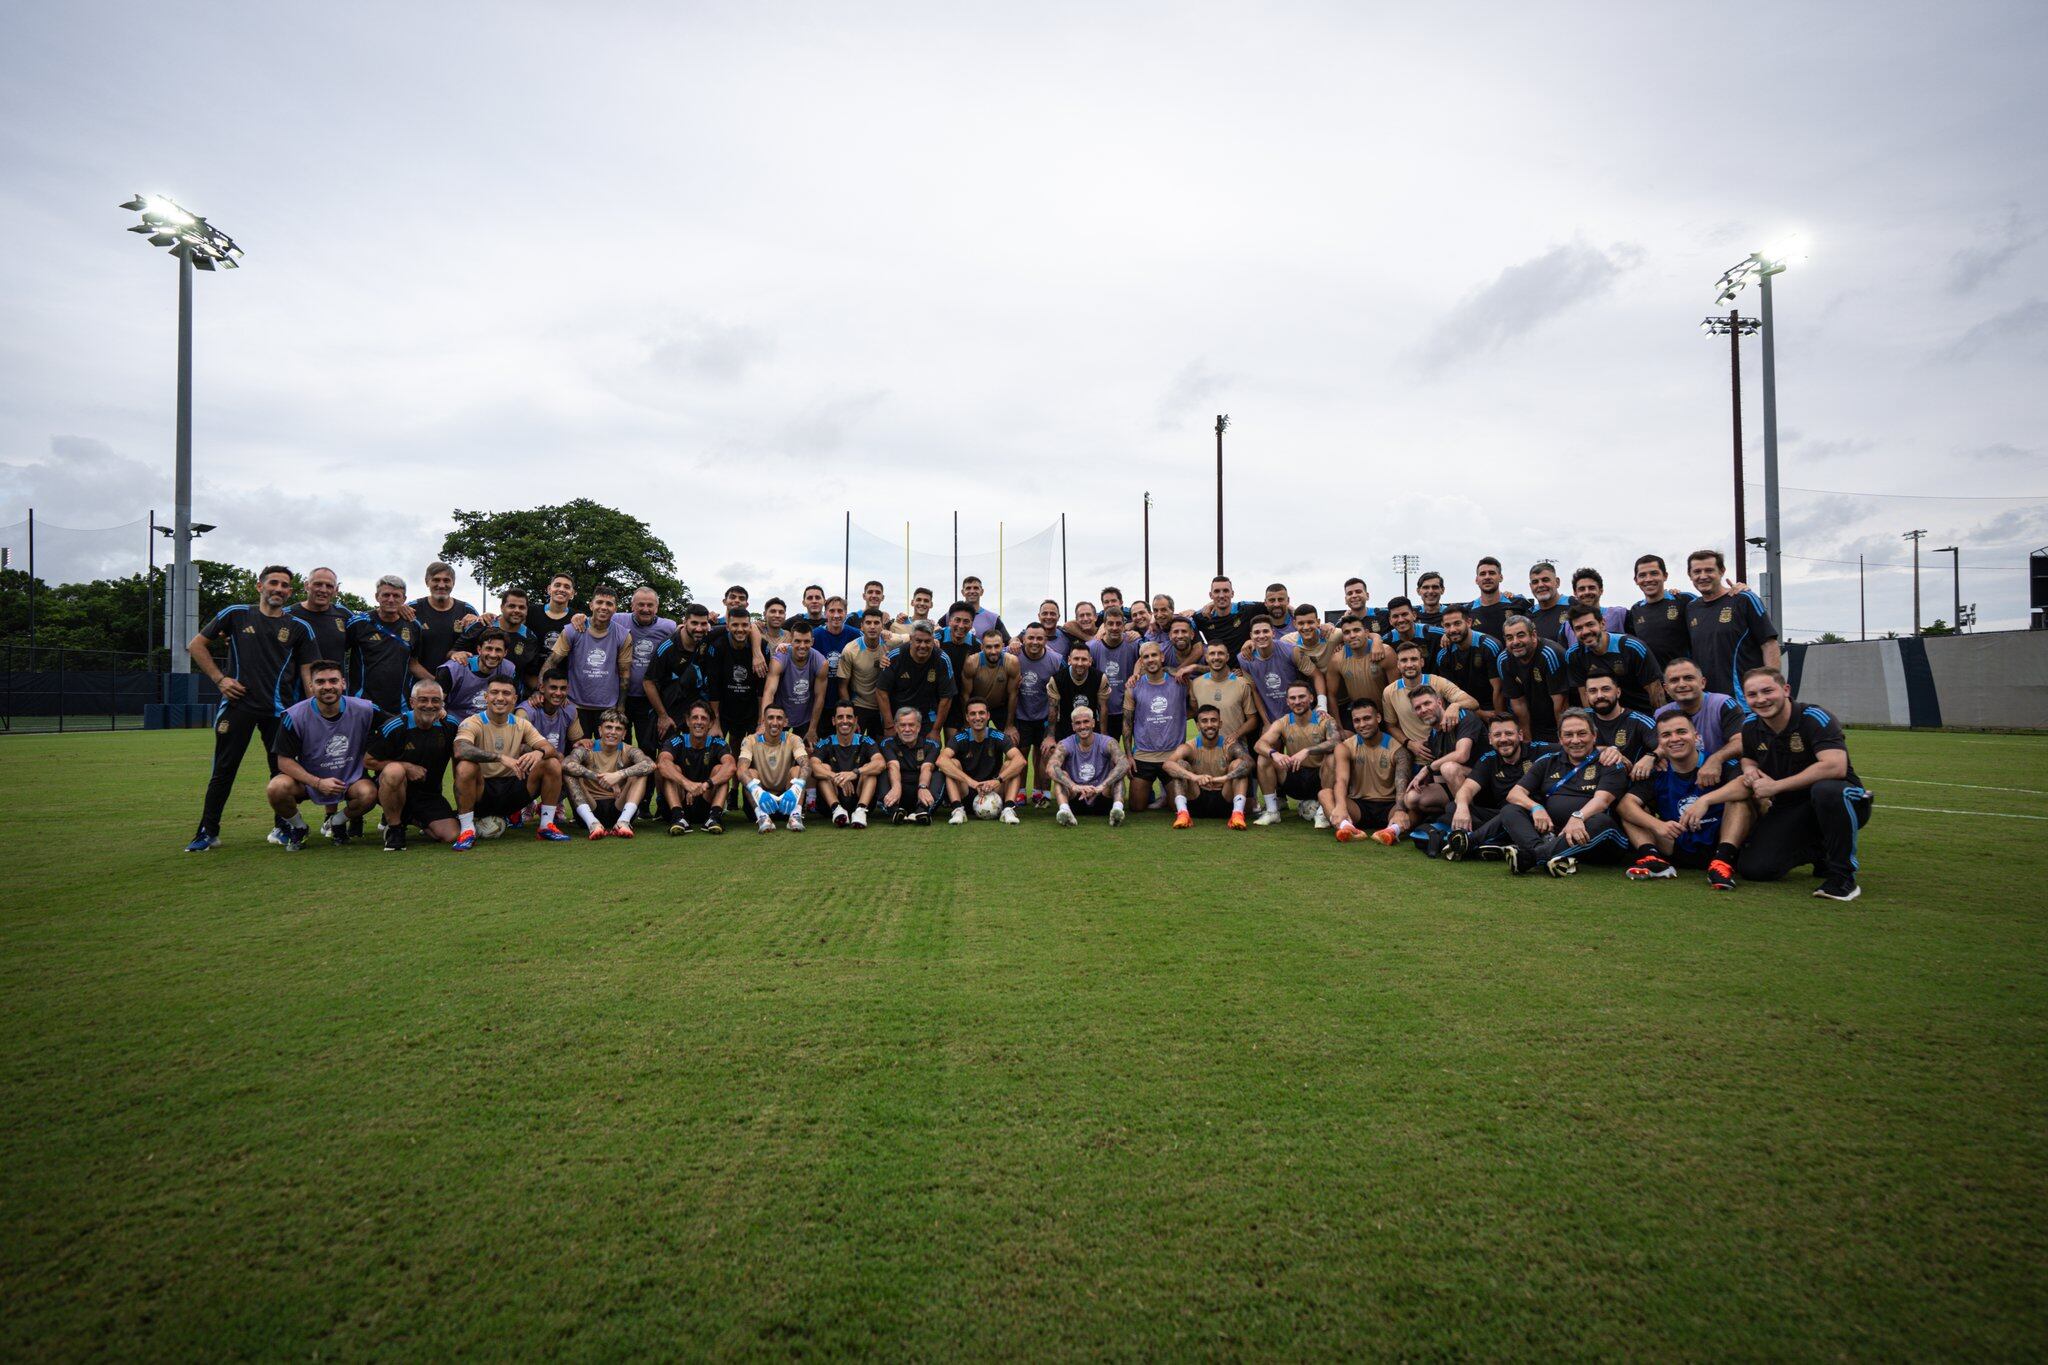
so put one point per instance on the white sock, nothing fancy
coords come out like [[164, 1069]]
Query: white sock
[[468, 822], [1116, 805], [1066, 809], [1180, 803], [585, 813], [547, 815], [1272, 801], [627, 811], [298, 820], [1237, 805]]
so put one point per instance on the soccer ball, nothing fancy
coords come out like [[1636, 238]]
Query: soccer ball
[[1308, 810], [988, 805], [490, 827]]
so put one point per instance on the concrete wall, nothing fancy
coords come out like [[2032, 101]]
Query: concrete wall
[[1995, 680]]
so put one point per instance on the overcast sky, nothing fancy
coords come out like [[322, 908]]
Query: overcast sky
[[742, 269]]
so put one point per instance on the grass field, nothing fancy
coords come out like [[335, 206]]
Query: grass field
[[1019, 1093]]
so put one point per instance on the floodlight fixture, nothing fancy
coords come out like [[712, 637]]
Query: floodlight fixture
[[1718, 326], [1758, 268], [184, 232]]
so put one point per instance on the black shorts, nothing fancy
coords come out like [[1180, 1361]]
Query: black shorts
[[503, 795], [739, 719], [1030, 734], [1375, 814], [425, 808], [870, 722], [1144, 770], [586, 716], [1303, 784], [1113, 726], [607, 813], [1099, 806], [1209, 806], [1691, 859]]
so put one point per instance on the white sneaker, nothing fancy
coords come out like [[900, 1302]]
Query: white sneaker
[[1066, 815], [1269, 817], [958, 817], [1318, 819], [276, 835], [1116, 815], [796, 823], [335, 819], [1009, 816], [860, 817], [766, 823], [839, 816]]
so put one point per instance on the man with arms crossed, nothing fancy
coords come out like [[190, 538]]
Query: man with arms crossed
[[1211, 775], [269, 659], [1291, 753], [320, 746], [1672, 823], [1795, 759], [772, 770], [1088, 771], [978, 761], [695, 770], [501, 763], [1368, 775], [413, 750], [607, 781]]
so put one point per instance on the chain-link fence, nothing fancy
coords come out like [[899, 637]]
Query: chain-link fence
[[49, 689]]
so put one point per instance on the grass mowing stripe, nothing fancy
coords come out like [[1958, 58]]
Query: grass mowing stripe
[[1939, 810]]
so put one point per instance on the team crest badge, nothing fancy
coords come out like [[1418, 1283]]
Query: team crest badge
[[1727, 615], [406, 634], [1671, 613], [1797, 744], [223, 726], [284, 635]]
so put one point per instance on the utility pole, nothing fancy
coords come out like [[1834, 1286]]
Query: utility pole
[[1955, 554], [1148, 548], [1222, 422], [1736, 327], [1862, 612], [1915, 537]]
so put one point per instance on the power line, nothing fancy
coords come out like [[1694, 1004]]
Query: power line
[[1937, 497]]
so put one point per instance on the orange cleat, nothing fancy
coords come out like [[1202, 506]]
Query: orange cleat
[[597, 832], [1237, 819], [1347, 831], [1183, 820], [622, 831], [1385, 836]]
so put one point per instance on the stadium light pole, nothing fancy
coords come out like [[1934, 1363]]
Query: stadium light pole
[[1405, 565], [1222, 423], [1915, 537], [1955, 555], [1759, 268], [198, 245], [1148, 548], [1735, 327]]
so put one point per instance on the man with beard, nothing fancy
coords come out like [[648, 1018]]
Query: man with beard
[[920, 677], [1471, 661], [1491, 609], [1455, 740], [1716, 719], [597, 658], [695, 770], [1230, 692], [1368, 774], [1114, 652], [1672, 823], [1361, 666], [1269, 665], [1314, 643], [1399, 716], [675, 676], [1403, 625], [1548, 605], [1563, 806], [1795, 760], [1157, 706], [1211, 775], [1624, 738], [321, 746], [1476, 809], [1291, 753], [501, 765], [523, 648], [1600, 653], [990, 676], [463, 677], [796, 680], [728, 663], [1533, 680], [1088, 771], [860, 670], [1037, 665]]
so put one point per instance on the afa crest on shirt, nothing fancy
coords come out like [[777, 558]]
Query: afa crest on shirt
[[284, 635], [1727, 615], [1671, 612], [223, 726], [1797, 744]]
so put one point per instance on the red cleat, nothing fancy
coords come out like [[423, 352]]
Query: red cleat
[[597, 832], [1237, 820]]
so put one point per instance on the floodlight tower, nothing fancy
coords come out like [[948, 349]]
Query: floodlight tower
[[1735, 327], [198, 245], [1759, 268]]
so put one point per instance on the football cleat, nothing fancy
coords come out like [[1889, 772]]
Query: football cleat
[[1562, 866], [1838, 889], [1513, 857], [796, 822], [276, 835], [1720, 876], [1457, 846], [201, 842], [1236, 820], [712, 824], [839, 817], [681, 825], [1433, 842], [339, 831], [596, 832], [464, 842], [1009, 816], [394, 838], [859, 818], [1346, 832], [1066, 816], [1650, 867], [295, 838], [765, 823], [920, 817], [1183, 820], [1316, 817], [1386, 837], [958, 817], [622, 830], [551, 833], [1268, 818], [1116, 815]]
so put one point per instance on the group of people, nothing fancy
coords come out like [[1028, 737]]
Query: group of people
[[1542, 730]]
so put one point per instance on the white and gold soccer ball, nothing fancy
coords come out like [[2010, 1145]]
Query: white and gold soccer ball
[[490, 826], [988, 805]]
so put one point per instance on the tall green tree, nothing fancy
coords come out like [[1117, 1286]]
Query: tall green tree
[[587, 540]]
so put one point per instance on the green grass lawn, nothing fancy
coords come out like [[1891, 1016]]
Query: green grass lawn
[[1012, 1092]]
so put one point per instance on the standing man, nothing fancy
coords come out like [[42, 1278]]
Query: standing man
[[847, 765], [1156, 706], [1533, 680], [1731, 632], [1491, 609], [1360, 667], [551, 714], [1548, 604], [1314, 643], [1114, 652], [321, 612], [990, 676], [732, 667], [1037, 665], [649, 630], [1269, 664], [1672, 823], [1795, 759], [981, 761], [1659, 619], [796, 680], [1358, 602], [440, 616], [1211, 775], [1399, 716], [695, 769], [1076, 687], [674, 677], [1230, 692], [1367, 776], [463, 682], [1225, 621], [860, 670], [1587, 588], [1088, 771], [1430, 588], [1291, 754], [414, 749], [597, 657], [381, 649], [919, 676], [985, 619], [1404, 625], [523, 648], [561, 606], [1599, 653], [501, 763], [607, 781], [320, 746], [1471, 660], [270, 657], [831, 639]]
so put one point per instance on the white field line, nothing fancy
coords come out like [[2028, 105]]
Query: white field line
[[1967, 786], [1980, 814]]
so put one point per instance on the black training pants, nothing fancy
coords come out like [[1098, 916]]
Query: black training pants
[[1815, 826], [232, 728], [1520, 829]]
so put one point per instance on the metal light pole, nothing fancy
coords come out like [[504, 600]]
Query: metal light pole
[[1862, 614], [1148, 548], [1405, 565], [1222, 422], [1735, 327], [1760, 268], [1955, 554], [1915, 536], [196, 244]]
